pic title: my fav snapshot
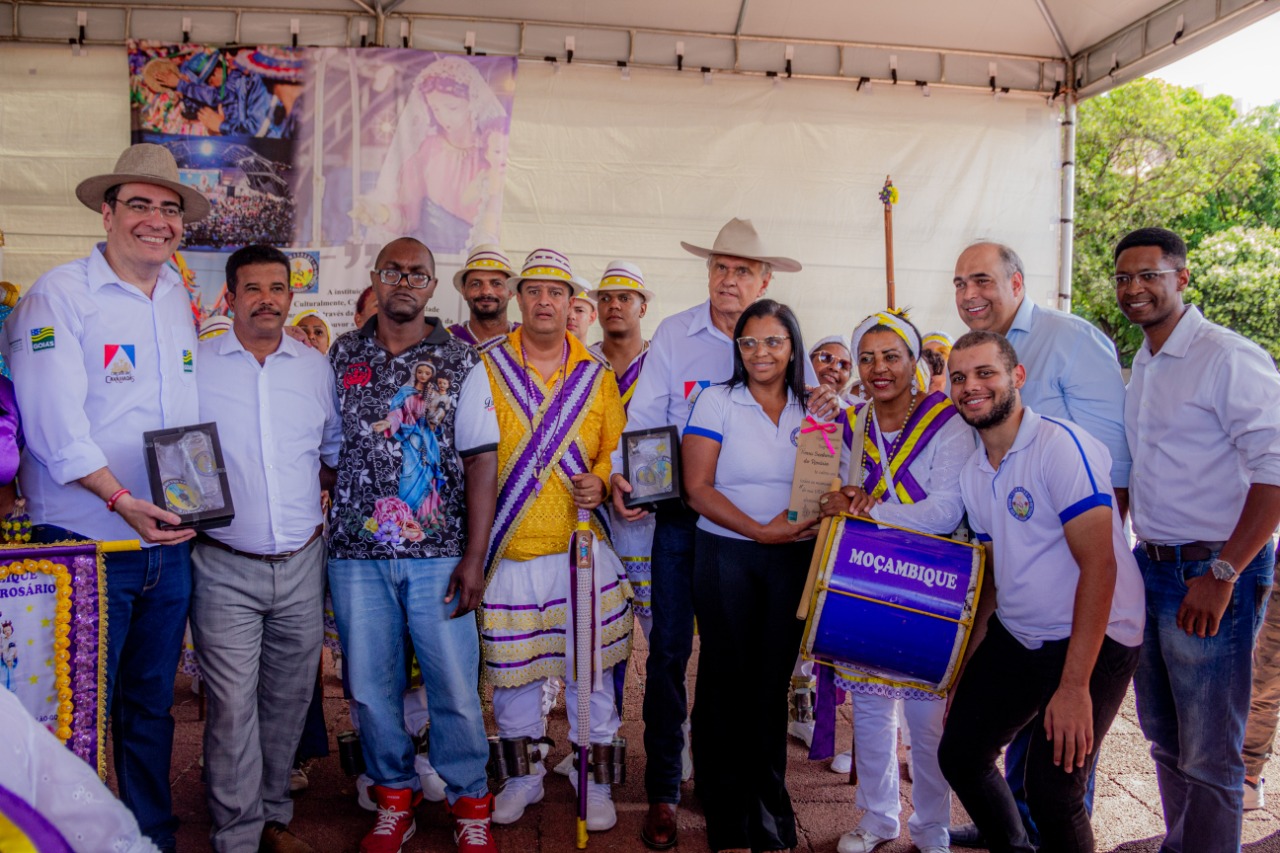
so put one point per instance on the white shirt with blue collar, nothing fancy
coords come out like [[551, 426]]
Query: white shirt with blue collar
[[276, 422], [1051, 475], [95, 365], [1073, 374]]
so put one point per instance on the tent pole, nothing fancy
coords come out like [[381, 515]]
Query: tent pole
[[1067, 227]]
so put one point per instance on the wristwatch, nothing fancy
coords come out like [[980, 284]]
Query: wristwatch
[[1224, 571]]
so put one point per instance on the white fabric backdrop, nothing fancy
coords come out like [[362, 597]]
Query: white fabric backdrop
[[603, 168]]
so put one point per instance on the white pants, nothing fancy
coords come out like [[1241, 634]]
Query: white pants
[[875, 733], [518, 710]]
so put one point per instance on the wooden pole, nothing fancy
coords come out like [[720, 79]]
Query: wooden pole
[[887, 197]]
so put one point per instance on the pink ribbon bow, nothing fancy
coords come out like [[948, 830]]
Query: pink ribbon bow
[[824, 428]]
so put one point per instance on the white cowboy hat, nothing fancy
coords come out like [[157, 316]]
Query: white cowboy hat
[[144, 163], [546, 265], [487, 257], [738, 238], [622, 275]]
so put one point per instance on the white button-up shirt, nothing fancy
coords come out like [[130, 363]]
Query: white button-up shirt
[[687, 354], [1053, 472], [276, 422], [95, 364], [1203, 419]]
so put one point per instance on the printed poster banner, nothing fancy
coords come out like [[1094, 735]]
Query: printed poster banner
[[53, 640], [328, 153]]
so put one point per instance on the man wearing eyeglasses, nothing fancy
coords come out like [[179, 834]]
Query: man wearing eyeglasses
[[408, 531], [1203, 423], [1072, 375], [103, 349]]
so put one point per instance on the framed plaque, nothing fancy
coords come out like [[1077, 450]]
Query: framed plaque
[[651, 464], [188, 476]]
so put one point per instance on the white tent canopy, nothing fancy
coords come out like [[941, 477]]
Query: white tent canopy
[[1019, 45]]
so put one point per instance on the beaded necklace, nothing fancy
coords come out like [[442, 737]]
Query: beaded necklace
[[886, 454]]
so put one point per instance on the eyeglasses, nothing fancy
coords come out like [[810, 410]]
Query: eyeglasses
[[1146, 277], [772, 342], [416, 280], [829, 358], [168, 211]]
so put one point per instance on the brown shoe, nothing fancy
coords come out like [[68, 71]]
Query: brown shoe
[[659, 830], [276, 838]]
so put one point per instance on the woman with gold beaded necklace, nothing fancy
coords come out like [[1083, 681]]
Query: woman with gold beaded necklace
[[907, 448]]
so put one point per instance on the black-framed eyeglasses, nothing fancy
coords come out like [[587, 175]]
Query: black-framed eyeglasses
[[168, 211], [1145, 276], [825, 357], [417, 280], [772, 342]]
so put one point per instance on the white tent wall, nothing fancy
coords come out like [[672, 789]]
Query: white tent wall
[[603, 168]]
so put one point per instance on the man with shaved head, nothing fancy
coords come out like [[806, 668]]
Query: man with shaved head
[[408, 531]]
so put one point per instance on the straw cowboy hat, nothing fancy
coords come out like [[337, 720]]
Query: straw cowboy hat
[[738, 238], [487, 257], [144, 163], [623, 275], [547, 265]]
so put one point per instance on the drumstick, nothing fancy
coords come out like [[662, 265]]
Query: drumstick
[[802, 612]]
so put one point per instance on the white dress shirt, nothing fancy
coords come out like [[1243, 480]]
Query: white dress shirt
[[276, 422], [1054, 472], [1203, 419], [686, 355], [95, 364], [1073, 375]]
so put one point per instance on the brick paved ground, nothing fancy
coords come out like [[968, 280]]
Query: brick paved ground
[[1127, 816]]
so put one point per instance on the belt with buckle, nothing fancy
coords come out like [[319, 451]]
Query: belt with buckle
[[205, 539], [1189, 552]]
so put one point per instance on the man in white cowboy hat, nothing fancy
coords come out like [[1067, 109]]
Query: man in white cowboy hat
[[112, 336], [690, 351], [582, 310], [559, 418], [482, 281]]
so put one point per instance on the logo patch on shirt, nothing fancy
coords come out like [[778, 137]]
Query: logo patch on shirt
[[357, 375], [188, 362], [1021, 506], [795, 437], [119, 362], [693, 388], [42, 338]]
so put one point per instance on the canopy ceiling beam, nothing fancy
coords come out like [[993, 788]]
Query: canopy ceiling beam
[[1054, 29]]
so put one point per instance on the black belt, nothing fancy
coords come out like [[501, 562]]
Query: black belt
[[262, 558], [1189, 552]]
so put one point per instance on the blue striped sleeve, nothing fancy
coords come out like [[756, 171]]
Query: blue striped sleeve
[[705, 433], [1081, 506]]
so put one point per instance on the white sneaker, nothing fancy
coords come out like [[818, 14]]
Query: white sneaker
[[860, 841], [517, 794], [801, 731], [686, 755], [935, 848], [842, 763], [432, 785], [362, 793], [1255, 796], [550, 691], [565, 767], [601, 815]]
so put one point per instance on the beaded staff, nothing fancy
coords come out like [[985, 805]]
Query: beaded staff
[[889, 197]]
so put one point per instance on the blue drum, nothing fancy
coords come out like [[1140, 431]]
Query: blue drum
[[893, 604]]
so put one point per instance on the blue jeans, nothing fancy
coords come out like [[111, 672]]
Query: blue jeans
[[666, 703], [374, 601], [148, 592], [1193, 699]]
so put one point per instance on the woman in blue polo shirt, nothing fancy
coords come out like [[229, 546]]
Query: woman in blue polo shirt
[[739, 452], [925, 446]]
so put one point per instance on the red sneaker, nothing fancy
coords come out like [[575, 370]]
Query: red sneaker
[[394, 825], [471, 830]]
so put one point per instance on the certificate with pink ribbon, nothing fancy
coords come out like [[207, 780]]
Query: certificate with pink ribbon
[[817, 463]]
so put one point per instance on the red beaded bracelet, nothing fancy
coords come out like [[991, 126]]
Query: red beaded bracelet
[[111, 501]]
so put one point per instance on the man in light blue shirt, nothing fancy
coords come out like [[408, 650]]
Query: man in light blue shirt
[[257, 599], [1072, 375]]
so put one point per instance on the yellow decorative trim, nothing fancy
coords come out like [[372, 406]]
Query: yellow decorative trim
[[61, 632]]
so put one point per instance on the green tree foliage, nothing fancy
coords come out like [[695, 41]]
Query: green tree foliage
[[1235, 280], [1149, 153]]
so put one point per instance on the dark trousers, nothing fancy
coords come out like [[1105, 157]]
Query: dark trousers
[[1004, 689], [745, 595], [148, 593], [666, 704]]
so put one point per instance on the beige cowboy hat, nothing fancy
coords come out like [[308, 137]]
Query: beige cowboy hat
[[487, 257], [144, 163], [738, 238], [622, 275]]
